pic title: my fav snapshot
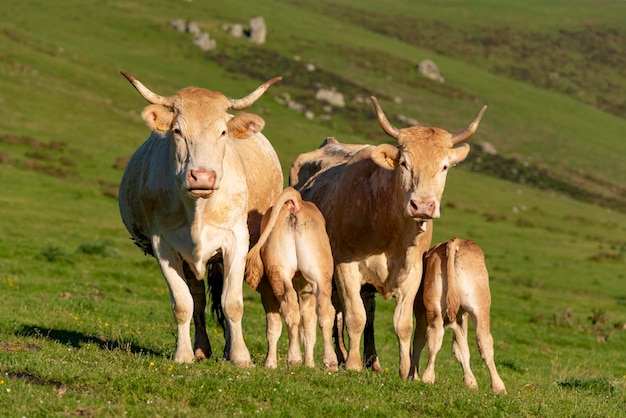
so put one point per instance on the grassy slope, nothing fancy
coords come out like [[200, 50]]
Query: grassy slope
[[59, 82]]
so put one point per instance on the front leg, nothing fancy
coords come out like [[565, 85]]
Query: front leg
[[403, 318], [349, 284], [182, 302], [232, 295]]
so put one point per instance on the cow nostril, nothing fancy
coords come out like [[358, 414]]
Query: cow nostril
[[202, 178]]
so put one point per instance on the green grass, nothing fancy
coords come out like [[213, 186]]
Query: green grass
[[85, 323]]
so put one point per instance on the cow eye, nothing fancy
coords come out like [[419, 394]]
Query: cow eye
[[404, 164], [223, 133], [445, 168], [177, 131]]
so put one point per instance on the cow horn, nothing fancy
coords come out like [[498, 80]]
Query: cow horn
[[146, 93], [389, 129], [470, 130], [246, 102]]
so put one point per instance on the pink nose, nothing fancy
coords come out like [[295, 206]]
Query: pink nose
[[422, 208], [201, 178]]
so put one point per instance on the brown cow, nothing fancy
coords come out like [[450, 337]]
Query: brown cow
[[193, 195], [456, 282], [294, 253], [379, 202]]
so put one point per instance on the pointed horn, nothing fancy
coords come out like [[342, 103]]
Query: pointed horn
[[389, 129], [146, 93], [470, 130], [246, 102]]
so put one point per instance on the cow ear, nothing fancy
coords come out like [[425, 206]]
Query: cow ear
[[458, 154], [386, 156], [244, 125], [158, 118]]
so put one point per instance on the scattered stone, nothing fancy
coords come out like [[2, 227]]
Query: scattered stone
[[258, 30], [236, 30], [204, 42], [485, 147], [179, 24], [408, 120], [430, 70], [193, 28], [331, 97]]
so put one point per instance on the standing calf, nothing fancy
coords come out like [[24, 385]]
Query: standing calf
[[455, 282], [295, 250]]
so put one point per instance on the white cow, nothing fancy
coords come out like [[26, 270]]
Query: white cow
[[455, 286], [193, 194]]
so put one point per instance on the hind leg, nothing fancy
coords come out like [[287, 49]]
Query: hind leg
[[291, 312], [274, 324], [338, 327], [325, 313], [368, 294], [434, 338], [201, 345], [485, 346], [419, 337], [307, 322], [461, 351]]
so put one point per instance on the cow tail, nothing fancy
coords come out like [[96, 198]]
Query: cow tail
[[215, 282], [452, 296], [254, 262]]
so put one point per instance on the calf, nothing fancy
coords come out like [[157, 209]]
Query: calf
[[456, 283], [294, 252]]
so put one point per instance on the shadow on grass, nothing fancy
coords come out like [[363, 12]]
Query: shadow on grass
[[78, 339]]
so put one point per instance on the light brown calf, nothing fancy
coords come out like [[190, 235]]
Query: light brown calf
[[456, 282], [294, 253]]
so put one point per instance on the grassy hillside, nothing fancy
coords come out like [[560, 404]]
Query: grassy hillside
[[85, 325]]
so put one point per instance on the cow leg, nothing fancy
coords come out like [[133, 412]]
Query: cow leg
[[320, 306], [419, 336], [274, 323], [349, 284], [485, 346], [403, 321], [180, 297], [338, 327], [434, 337], [291, 312], [326, 319], [232, 298], [460, 348], [308, 321], [201, 346], [368, 294]]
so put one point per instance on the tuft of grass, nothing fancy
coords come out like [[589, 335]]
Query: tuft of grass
[[102, 248]]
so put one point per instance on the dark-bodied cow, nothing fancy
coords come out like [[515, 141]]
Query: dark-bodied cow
[[193, 194], [379, 202], [455, 286], [294, 255]]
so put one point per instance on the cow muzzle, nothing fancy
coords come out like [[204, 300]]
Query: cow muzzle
[[423, 209], [201, 182]]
